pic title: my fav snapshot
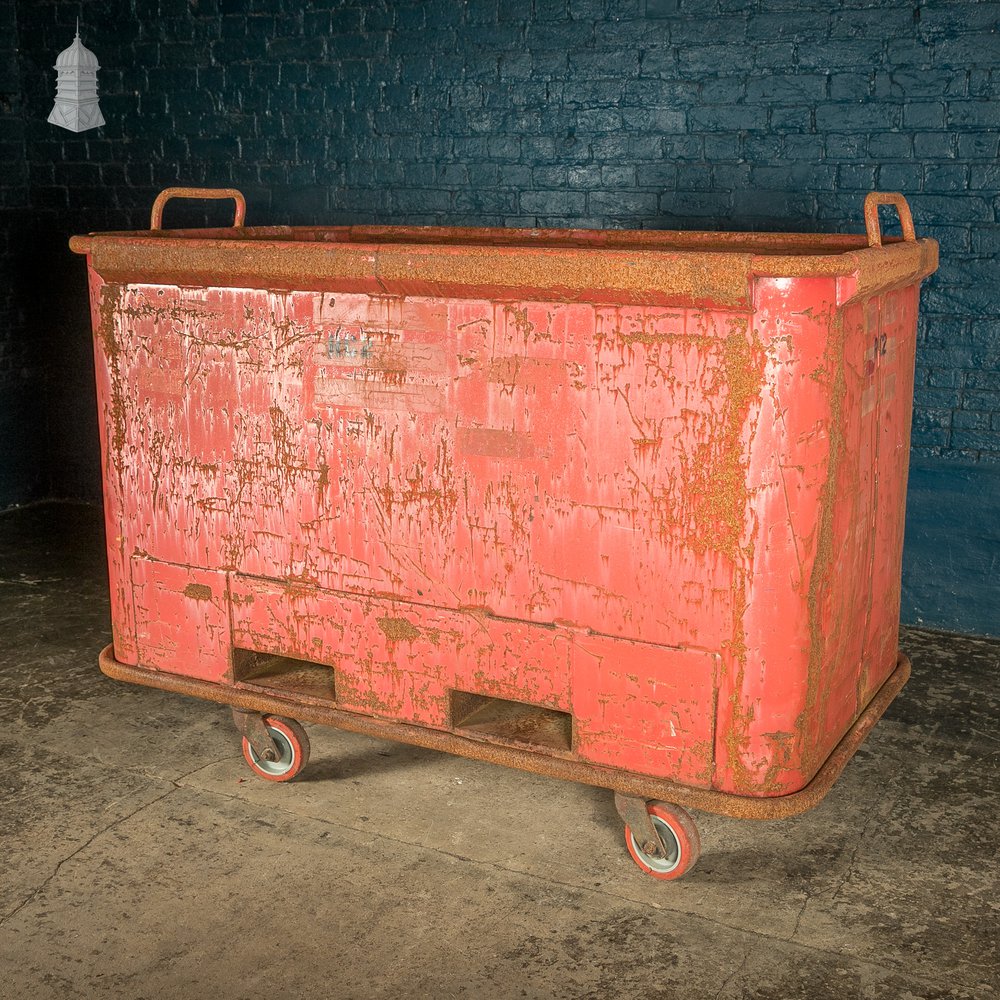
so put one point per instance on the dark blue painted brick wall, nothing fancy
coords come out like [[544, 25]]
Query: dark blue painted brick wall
[[763, 114], [13, 192], [22, 421]]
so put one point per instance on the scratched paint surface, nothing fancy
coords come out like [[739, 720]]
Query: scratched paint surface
[[681, 526], [818, 581]]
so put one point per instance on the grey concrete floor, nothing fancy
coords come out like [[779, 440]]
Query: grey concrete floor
[[140, 858]]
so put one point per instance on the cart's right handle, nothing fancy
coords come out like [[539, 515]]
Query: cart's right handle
[[209, 194], [872, 226]]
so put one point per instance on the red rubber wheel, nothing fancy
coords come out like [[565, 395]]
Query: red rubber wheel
[[678, 837], [293, 750]]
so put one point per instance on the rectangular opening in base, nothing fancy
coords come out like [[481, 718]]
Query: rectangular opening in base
[[285, 674], [511, 721]]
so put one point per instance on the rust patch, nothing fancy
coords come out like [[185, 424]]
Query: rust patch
[[431, 488], [198, 592], [398, 629], [111, 296], [283, 439], [390, 366], [782, 745], [175, 312], [724, 507], [518, 318], [824, 561], [706, 509]]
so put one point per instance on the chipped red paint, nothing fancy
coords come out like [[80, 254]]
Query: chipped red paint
[[680, 523]]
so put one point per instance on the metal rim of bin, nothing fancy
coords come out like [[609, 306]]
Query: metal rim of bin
[[626, 783], [619, 266]]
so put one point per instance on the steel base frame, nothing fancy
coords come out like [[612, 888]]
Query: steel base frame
[[625, 783]]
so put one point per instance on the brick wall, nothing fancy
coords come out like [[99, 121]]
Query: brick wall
[[13, 186], [765, 114], [655, 113], [22, 417]]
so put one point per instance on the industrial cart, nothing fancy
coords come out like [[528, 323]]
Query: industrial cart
[[624, 508]]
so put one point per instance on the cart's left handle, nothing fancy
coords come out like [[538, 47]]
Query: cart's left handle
[[872, 226], [208, 194]]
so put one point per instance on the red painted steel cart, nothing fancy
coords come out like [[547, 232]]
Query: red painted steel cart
[[620, 507]]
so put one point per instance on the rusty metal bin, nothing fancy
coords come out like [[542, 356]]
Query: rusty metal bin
[[619, 507]]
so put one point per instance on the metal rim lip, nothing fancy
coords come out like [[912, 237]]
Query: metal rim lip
[[287, 760], [673, 856]]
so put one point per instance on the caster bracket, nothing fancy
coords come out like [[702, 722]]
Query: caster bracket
[[251, 725], [636, 818]]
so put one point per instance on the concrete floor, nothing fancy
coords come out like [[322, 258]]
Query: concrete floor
[[140, 858]]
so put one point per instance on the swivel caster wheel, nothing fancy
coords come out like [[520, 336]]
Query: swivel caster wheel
[[291, 746], [676, 847]]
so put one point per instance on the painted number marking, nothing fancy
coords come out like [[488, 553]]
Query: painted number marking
[[352, 346]]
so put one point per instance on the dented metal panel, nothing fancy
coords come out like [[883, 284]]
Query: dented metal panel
[[652, 484]]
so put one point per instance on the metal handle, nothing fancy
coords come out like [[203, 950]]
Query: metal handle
[[208, 194], [872, 226]]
